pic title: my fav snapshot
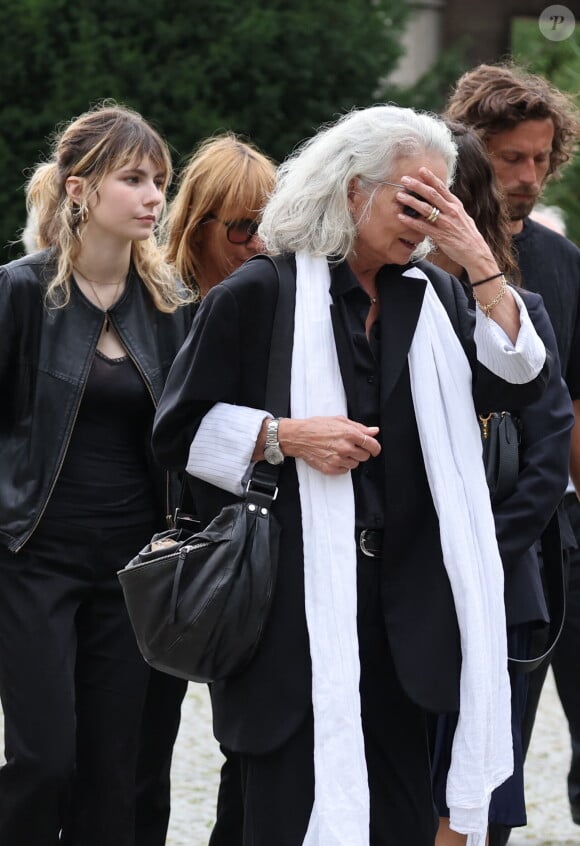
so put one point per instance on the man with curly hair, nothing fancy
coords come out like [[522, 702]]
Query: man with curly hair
[[530, 129]]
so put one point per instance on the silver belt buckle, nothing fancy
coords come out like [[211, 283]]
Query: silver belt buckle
[[363, 546]]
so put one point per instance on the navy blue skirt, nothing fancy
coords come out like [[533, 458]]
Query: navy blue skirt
[[507, 806]]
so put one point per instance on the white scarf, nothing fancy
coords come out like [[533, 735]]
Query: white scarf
[[441, 388]]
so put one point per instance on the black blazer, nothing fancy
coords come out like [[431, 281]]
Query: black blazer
[[225, 359], [544, 455], [550, 266]]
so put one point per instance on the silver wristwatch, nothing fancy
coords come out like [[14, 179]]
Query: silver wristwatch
[[272, 452]]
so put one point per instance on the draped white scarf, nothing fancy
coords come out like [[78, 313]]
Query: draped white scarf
[[441, 389]]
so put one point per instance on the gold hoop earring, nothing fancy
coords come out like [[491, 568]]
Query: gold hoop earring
[[83, 212]]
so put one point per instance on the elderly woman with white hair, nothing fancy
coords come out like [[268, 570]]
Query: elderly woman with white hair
[[388, 601]]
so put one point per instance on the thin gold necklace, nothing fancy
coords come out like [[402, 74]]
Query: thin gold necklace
[[96, 281], [92, 284]]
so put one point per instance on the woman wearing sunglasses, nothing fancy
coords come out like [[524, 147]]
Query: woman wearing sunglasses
[[213, 219], [89, 324], [210, 231]]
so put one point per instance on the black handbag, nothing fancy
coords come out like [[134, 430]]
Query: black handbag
[[198, 601], [500, 439]]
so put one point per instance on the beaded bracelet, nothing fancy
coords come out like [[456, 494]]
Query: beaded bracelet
[[486, 308], [487, 279]]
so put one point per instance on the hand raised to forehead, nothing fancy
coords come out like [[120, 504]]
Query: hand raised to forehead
[[444, 220]]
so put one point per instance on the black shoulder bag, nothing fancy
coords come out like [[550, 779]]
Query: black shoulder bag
[[500, 436], [500, 440], [198, 602]]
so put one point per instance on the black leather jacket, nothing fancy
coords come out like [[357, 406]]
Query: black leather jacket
[[45, 358]]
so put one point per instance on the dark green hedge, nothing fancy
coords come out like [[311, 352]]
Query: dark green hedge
[[272, 70]]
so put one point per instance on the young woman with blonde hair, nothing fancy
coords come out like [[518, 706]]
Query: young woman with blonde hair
[[89, 326]]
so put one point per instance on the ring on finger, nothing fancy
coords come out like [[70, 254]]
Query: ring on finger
[[362, 446], [433, 215]]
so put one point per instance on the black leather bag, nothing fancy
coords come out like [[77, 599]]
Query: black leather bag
[[500, 438], [198, 601]]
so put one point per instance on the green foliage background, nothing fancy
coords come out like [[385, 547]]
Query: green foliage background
[[558, 61], [272, 70]]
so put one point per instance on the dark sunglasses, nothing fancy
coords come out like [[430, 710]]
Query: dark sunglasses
[[237, 231], [407, 209]]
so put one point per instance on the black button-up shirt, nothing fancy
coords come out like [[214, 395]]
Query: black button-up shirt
[[353, 304]]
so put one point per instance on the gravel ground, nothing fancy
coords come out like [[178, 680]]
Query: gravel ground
[[549, 820], [195, 773], [197, 760]]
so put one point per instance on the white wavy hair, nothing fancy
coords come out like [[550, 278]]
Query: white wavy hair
[[308, 208]]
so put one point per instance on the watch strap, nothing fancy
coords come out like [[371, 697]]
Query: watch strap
[[272, 432]]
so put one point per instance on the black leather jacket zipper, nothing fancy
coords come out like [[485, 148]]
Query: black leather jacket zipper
[[65, 450], [167, 504]]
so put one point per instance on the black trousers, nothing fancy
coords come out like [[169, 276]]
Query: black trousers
[[228, 829], [159, 729], [72, 685], [566, 664], [279, 787]]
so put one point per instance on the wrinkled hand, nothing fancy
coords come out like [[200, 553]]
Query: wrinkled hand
[[332, 445], [454, 231]]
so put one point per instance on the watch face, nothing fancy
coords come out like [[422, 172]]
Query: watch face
[[273, 455]]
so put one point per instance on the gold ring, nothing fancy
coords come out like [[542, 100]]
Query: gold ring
[[362, 446], [433, 215]]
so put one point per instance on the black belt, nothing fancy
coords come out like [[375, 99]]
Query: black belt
[[370, 542]]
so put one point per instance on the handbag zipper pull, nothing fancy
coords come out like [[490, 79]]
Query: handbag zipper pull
[[485, 425], [176, 579]]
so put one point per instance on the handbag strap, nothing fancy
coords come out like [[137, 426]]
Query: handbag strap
[[508, 464], [262, 487], [280, 363], [264, 479], [555, 584]]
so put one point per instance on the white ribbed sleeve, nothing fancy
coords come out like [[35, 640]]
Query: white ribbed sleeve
[[516, 363], [221, 451]]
